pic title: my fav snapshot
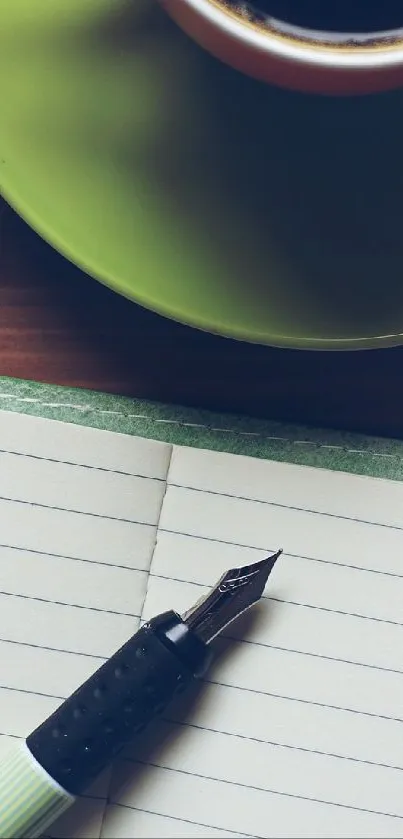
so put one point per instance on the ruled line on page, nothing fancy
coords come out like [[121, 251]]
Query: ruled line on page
[[85, 627], [272, 599], [68, 605], [234, 639], [299, 509], [260, 549], [296, 603], [308, 702], [29, 645], [54, 556], [297, 731], [330, 634], [321, 490], [185, 822], [245, 523], [231, 807], [294, 670], [79, 511], [332, 586], [331, 611], [288, 746], [78, 465], [40, 530], [89, 447], [30, 693], [278, 745], [259, 718], [231, 638], [273, 791], [54, 673], [241, 688]]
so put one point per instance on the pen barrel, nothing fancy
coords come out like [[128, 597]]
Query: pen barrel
[[89, 729], [30, 800]]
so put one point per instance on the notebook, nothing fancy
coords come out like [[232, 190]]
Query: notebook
[[297, 730]]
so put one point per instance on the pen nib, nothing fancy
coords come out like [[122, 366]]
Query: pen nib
[[236, 591]]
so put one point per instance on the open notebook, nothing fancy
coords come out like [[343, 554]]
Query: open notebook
[[298, 730]]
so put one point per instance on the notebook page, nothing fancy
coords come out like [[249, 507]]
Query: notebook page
[[78, 515], [298, 730]]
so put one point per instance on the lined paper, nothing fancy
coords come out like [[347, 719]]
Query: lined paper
[[298, 730], [78, 511]]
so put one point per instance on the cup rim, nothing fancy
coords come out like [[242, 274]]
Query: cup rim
[[289, 47]]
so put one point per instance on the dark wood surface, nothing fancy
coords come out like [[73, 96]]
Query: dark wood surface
[[58, 325]]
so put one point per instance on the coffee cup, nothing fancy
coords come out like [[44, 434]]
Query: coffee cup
[[296, 52]]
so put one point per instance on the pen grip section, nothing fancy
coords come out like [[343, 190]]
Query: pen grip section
[[89, 729]]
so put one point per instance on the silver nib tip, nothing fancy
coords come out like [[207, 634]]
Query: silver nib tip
[[235, 592]]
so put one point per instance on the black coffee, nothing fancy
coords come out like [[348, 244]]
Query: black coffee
[[335, 15]]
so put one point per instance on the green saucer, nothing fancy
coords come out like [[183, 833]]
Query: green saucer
[[231, 206]]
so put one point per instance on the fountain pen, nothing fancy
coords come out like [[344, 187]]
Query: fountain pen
[[59, 760]]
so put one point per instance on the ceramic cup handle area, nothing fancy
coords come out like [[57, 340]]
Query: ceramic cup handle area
[[293, 60]]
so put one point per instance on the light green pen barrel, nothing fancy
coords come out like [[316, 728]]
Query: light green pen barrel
[[30, 800]]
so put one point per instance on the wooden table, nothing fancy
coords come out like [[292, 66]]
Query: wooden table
[[58, 325]]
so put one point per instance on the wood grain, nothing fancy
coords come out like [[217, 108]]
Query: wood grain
[[58, 325]]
